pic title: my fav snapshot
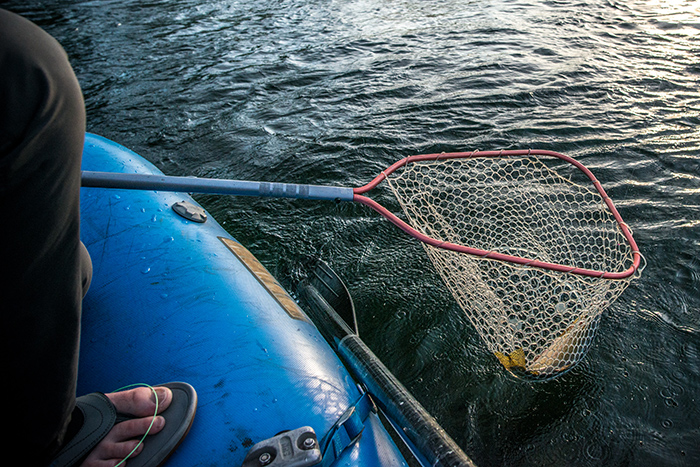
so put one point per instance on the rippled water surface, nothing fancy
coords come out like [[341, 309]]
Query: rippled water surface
[[333, 91]]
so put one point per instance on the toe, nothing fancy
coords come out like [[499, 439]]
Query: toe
[[140, 402]]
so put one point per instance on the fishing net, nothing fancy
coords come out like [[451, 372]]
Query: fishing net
[[574, 255]]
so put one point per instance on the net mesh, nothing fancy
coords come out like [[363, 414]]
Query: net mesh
[[538, 323]]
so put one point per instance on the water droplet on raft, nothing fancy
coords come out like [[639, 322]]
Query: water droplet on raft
[[145, 270], [117, 197]]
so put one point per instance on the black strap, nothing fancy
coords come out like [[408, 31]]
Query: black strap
[[99, 416]]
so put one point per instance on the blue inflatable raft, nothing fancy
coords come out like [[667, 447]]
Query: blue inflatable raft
[[175, 297]]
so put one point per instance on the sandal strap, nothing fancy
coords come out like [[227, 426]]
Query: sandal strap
[[99, 416]]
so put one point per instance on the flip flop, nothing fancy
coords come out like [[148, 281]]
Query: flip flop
[[99, 416]]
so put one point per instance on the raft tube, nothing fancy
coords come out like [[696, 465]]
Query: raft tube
[[175, 297]]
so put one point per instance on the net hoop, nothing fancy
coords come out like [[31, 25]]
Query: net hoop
[[636, 255]]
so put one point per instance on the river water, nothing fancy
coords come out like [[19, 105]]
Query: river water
[[333, 91]]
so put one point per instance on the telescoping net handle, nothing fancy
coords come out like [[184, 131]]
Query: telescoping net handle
[[528, 243]]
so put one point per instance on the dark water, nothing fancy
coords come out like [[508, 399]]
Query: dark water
[[331, 92]]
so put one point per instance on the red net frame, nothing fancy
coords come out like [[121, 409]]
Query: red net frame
[[626, 232]]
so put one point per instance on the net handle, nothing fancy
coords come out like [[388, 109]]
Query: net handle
[[636, 255]]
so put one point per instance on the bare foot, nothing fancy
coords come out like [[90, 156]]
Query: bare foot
[[125, 436]]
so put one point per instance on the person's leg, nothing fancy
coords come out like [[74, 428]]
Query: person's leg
[[42, 128], [46, 269]]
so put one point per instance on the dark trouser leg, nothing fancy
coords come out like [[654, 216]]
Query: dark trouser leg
[[42, 128]]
